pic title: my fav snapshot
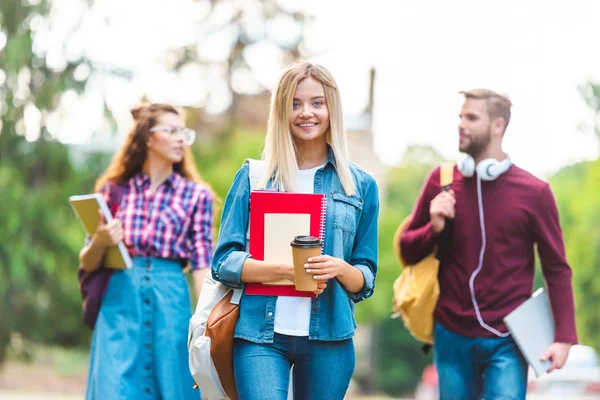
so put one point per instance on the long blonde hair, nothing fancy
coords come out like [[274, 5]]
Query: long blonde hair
[[129, 160], [280, 153]]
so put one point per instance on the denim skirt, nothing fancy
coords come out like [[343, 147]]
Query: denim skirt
[[139, 344]]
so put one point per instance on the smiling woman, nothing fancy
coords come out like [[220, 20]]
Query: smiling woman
[[305, 152], [310, 116]]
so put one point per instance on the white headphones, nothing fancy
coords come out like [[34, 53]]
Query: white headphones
[[488, 169]]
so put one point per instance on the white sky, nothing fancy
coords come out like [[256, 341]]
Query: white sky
[[424, 52]]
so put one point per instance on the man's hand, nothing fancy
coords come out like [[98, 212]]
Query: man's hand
[[558, 353], [441, 207]]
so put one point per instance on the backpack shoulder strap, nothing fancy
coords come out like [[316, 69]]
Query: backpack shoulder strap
[[116, 195], [446, 175], [257, 168], [446, 178]]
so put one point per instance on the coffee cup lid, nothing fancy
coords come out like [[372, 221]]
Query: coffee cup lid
[[306, 242]]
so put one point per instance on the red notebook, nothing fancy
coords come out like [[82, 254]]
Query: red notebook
[[275, 219]]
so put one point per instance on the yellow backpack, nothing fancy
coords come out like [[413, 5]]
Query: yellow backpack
[[416, 290]]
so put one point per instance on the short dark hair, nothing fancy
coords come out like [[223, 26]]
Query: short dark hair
[[498, 106]]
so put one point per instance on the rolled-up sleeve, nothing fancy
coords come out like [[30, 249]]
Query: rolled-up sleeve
[[365, 251], [230, 253], [201, 231]]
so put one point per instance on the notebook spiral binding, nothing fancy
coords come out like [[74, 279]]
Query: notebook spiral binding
[[322, 230]]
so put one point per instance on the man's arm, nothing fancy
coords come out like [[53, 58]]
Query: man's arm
[[419, 237], [558, 276]]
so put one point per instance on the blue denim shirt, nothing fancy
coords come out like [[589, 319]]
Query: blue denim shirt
[[350, 234]]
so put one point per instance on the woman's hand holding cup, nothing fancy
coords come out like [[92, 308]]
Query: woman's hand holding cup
[[321, 286], [325, 267]]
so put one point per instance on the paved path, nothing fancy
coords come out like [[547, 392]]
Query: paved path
[[11, 395]]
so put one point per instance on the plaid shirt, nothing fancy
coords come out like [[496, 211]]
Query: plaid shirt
[[174, 222]]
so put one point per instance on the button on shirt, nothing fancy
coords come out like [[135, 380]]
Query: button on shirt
[[173, 222]]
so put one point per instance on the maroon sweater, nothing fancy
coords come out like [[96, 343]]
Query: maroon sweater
[[519, 211]]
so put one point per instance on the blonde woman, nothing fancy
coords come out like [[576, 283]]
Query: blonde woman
[[305, 151], [139, 345]]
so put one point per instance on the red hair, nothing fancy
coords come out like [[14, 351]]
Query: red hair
[[129, 160]]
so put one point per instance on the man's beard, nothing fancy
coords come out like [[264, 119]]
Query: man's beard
[[478, 144]]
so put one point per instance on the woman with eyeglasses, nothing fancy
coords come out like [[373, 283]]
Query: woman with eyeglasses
[[164, 217]]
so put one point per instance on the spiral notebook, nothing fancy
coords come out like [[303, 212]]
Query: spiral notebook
[[275, 219]]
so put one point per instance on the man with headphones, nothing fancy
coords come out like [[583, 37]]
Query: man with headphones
[[493, 215]]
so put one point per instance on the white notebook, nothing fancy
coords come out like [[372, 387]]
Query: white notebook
[[532, 327], [86, 208]]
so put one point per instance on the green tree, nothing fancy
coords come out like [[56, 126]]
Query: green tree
[[219, 159], [244, 28], [590, 92], [403, 186], [576, 191], [40, 238], [399, 360], [37, 258]]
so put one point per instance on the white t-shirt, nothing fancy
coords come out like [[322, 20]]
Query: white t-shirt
[[292, 314]]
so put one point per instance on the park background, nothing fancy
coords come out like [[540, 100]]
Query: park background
[[71, 69]]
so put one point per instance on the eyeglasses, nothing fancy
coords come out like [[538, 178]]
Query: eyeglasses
[[189, 135]]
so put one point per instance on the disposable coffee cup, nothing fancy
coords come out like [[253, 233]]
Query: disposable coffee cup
[[303, 248]]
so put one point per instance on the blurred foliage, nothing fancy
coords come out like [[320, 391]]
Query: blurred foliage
[[39, 243], [590, 91], [403, 185], [37, 251], [576, 192], [27, 83], [219, 158], [246, 28], [399, 361], [40, 238]]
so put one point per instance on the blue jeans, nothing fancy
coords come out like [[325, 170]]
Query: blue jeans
[[322, 369], [475, 368]]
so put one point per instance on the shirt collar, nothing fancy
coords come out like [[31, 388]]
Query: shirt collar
[[142, 180], [331, 156], [330, 160]]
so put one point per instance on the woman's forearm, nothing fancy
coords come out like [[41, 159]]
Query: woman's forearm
[[260, 271], [90, 257], [352, 279], [198, 278]]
